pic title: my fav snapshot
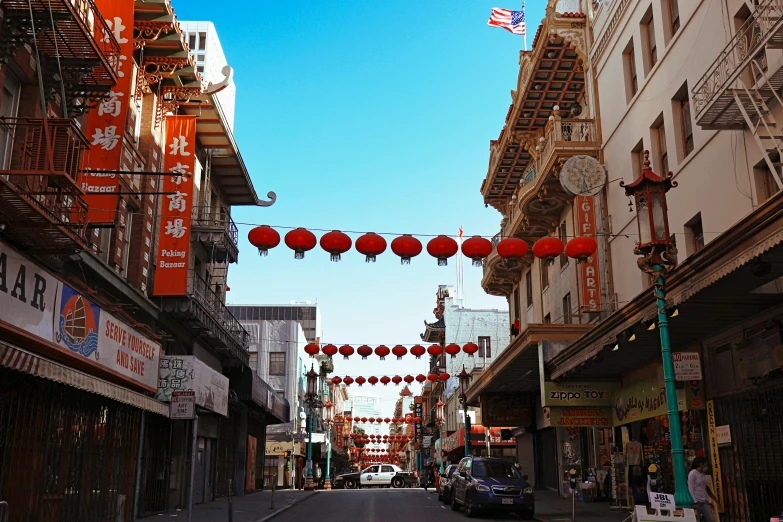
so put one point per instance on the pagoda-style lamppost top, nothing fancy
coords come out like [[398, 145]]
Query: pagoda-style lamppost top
[[657, 251]]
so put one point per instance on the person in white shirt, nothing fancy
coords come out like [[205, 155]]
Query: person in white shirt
[[697, 485]]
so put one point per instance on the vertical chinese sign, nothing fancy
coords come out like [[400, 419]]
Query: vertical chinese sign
[[589, 275], [99, 179], [171, 272], [338, 431]]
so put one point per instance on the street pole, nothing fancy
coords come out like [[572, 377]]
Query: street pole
[[441, 450], [327, 480], [309, 465], [682, 496], [467, 429], [193, 443]]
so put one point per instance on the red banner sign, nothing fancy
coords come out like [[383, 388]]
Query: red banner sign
[[171, 272], [589, 275], [106, 122]]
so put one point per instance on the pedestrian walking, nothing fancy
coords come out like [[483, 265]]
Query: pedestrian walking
[[697, 485]]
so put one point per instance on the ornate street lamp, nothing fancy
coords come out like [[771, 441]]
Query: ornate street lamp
[[441, 421], [311, 397], [657, 251], [464, 384], [328, 420]]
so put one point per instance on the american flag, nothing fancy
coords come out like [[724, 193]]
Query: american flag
[[509, 20]]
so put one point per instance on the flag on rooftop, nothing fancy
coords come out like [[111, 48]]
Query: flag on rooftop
[[513, 21]]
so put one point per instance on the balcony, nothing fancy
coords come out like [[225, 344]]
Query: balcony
[[217, 232], [73, 31], [203, 311], [40, 203]]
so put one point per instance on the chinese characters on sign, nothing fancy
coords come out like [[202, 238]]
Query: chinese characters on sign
[[106, 122], [687, 366], [589, 276], [171, 276]]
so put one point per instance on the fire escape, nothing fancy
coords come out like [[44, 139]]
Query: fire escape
[[738, 88]]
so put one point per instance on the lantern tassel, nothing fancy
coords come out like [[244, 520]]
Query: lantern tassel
[[298, 254], [335, 257], [442, 261], [478, 262], [405, 260], [263, 252], [369, 259]]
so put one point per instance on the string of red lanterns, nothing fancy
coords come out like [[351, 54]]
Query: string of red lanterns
[[408, 419], [385, 380], [442, 247], [365, 351]]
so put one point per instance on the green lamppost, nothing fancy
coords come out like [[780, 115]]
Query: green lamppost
[[328, 420], [311, 397], [441, 420], [464, 384], [656, 248]]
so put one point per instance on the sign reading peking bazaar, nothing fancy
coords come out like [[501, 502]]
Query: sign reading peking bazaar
[[106, 123], [589, 274], [171, 272]]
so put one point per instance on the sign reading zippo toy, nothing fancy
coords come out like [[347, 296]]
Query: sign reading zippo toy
[[569, 394]]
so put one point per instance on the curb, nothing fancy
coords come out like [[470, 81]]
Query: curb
[[285, 508]]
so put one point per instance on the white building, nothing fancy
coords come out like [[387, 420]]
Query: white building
[[368, 406], [307, 314], [205, 48]]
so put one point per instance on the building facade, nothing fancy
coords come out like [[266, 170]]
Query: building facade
[[305, 313]]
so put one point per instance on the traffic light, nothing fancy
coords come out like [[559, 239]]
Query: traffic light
[[287, 453], [442, 453]]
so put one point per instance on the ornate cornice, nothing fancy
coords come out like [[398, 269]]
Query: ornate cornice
[[145, 31]]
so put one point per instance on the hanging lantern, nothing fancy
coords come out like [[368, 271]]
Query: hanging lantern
[[329, 350], [512, 248], [371, 245], [470, 349], [346, 351], [300, 240], [418, 351], [434, 350], [336, 380], [444, 376], [396, 379], [364, 419], [348, 381], [360, 380], [399, 351], [312, 349], [385, 380], [263, 238], [477, 248], [417, 419], [356, 419], [382, 351], [420, 378], [442, 248], [581, 248], [364, 350], [336, 243], [409, 379], [432, 377], [453, 350], [373, 380], [387, 420], [548, 248], [407, 247]]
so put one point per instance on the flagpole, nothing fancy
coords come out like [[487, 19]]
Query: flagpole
[[525, 36]]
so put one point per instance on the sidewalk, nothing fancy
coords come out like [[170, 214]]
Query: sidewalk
[[252, 507], [551, 507]]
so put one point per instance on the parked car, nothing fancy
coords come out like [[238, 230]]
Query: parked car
[[387, 475], [444, 486], [491, 484]]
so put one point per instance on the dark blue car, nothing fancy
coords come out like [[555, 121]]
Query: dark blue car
[[491, 484]]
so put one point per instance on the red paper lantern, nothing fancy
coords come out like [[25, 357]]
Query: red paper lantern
[[346, 351], [360, 380], [336, 380], [470, 348], [581, 248], [336, 243], [387, 420], [263, 238], [418, 351], [444, 376], [407, 247], [364, 350], [409, 379], [420, 378], [453, 350], [432, 377], [348, 381], [371, 245], [300, 240], [385, 380], [435, 350], [417, 419], [548, 248], [477, 248], [396, 379], [329, 350], [399, 351], [442, 248], [373, 380], [364, 419], [312, 349], [512, 248], [382, 351]]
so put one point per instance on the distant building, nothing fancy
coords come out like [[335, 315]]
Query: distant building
[[205, 48], [367, 406], [306, 314]]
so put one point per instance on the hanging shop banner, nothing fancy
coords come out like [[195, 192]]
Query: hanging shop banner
[[569, 394], [499, 409], [717, 478], [88, 331], [589, 273], [577, 417], [186, 372], [418, 411], [106, 122], [339, 424], [171, 272], [452, 441], [687, 366], [647, 398]]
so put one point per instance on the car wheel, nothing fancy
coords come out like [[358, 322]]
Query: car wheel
[[528, 514], [454, 505], [398, 482], [440, 496], [470, 509], [447, 497], [350, 484]]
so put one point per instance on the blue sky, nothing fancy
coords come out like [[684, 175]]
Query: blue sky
[[365, 116]]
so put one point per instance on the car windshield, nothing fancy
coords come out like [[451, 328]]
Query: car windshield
[[451, 471], [494, 469]]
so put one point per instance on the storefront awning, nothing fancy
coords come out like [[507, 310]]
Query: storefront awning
[[21, 360]]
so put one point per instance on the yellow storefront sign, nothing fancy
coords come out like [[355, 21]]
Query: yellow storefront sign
[[717, 480], [646, 398]]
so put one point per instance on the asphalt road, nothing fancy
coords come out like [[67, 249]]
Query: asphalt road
[[376, 505]]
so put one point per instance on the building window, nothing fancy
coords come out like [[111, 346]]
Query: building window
[[674, 16], [681, 109], [547, 319], [631, 80], [637, 159], [695, 232], [192, 41], [253, 362], [485, 347], [648, 33], [544, 275], [276, 363], [529, 287], [766, 186], [567, 309], [202, 41], [659, 133], [563, 234], [687, 127], [516, 303]]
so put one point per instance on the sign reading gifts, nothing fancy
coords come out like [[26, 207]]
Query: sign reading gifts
[[106, 122], [171, 272], [646, 398], [589, 273]]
